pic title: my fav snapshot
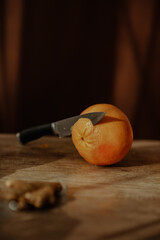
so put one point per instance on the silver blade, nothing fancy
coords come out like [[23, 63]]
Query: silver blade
[[62, 128]]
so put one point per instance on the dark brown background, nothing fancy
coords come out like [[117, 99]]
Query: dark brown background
[[59, 57]]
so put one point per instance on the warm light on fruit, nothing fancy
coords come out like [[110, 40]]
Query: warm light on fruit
[[108, 141]]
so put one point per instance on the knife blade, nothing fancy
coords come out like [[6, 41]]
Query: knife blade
[[60, 128]]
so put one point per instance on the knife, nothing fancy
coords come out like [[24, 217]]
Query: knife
[[60, 128]]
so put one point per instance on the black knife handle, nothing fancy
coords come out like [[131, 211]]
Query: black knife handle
[[34, 133]]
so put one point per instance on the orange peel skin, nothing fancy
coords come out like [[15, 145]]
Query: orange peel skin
[[107, 142]]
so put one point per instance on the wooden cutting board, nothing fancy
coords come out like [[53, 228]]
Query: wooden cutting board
[[116, 202]]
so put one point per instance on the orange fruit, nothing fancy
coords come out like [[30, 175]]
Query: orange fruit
[[108, 141]]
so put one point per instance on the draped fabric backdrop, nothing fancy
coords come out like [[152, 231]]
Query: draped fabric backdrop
[[59, 57]]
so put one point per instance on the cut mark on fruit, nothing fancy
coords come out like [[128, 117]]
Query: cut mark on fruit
[[107, 119]]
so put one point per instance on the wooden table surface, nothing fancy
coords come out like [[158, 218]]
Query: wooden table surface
[[117, 202]]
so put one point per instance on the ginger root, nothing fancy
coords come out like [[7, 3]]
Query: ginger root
[[23, 194]]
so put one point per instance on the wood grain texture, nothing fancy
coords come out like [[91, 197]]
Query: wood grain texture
[[116, 202]]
